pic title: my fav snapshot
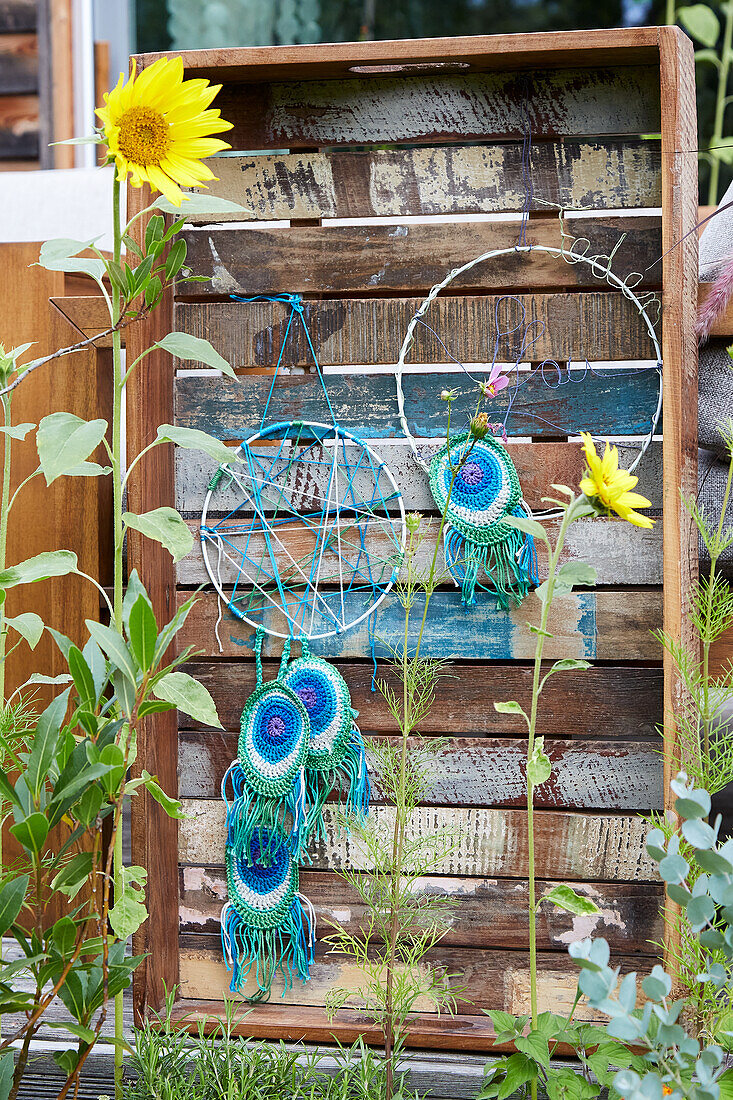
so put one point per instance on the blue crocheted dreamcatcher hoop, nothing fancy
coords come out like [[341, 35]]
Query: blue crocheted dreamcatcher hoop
[[480, 550]]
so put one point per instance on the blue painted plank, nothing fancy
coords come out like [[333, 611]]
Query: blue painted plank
[[609, 401]]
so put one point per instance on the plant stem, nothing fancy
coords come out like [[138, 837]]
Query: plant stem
[[671, 15], [704, 749], [532, 726], [118, 387], [720, 99], [4, 510]]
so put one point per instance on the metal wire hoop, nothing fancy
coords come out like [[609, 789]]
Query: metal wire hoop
[[603, 271], [321, 433]]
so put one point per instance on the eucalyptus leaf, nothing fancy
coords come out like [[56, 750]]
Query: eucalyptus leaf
[[189, 696], [163, 525]]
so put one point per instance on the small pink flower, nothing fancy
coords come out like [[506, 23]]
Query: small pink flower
[[496, 382]]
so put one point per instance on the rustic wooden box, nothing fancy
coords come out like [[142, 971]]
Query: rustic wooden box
[[450, 112]]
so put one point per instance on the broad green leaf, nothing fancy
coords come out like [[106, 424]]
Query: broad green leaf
[[73, 875], [41, 678], [171, 805], [536, 1047], [16, 431], [135, 588], [529, 526], [52, 563], [12, 896], [129, 912], [143, 632], [196, 202], [83, 678], [84, 1033], [31, 833], [698, 833], [185, 346], [539, 768], [192, 439], [701, 22], [64, 935], [189, 696], [508, 707], [163, 525], [60, 248], [7, 1069], [564, 897], [62, 641], [168, 633], [64, 441], [114, 646], [29, 625], [45, 740], [576, 572], [62, 254], [567, 664], [656, 985]]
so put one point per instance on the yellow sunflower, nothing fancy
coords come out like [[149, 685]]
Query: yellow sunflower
[[157, 128], [610, 488]]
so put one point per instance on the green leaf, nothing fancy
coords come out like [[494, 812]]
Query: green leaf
[[701, 22], [722, 152], [529, 526], [567, 664], [196, 202], [564, 897], [163, 525], [189, 696], [536, 1047], [709, 56], [31, 833], [45, 740], [64, 935], [656, 985], [40, 678], [185, 346], [83, 678], [113, 644], [52, 563], [192, 439], [171, 805], [698, 833], [63, 255], [29, 625], [7, 1069], [16, 431], [84, 1033], [539, 768], [174, 259], [509, 707], [73, 875], [519, 1070], [143, 632], [64, 441], [576, 572], [12, 896], [128, 911]]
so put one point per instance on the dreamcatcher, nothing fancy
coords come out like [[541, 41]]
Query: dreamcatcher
[[303, 539], [473, 479]]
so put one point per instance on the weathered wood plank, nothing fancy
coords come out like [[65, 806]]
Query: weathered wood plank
[[409, 258], [488, 912], [478, 179], [609, 625], [539, 465], [622, 554], [399, 109], [486, 771], [19, 127], [18, 15], [493, 979], [18, 63], [607, 702], [347, 332], [604, 847], [605, 402]]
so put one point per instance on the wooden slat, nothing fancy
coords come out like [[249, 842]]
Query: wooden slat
[[18, 63], [622, 554], [488, 912], [610, 625], [484, 771], [484, 179], [495, 979], [398, 109], [410, 257], [607, 702], [17, 15], [603, 847], [607, 401], [538, 465], [18, 127]]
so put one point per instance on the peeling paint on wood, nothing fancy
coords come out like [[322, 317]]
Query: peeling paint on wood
[[485, 771], [486, 842], [604, 625], [609, 702], [466, 107], [606, 402], [411, 258], [479, 179]]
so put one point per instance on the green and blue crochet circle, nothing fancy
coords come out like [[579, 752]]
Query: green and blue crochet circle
[[485, 490], [262, 887], [323, 692], [274, 737]]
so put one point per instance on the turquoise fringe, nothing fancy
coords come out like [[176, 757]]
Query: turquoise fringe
[[250, 814], [287, 948], [351, 779], [510, 566]]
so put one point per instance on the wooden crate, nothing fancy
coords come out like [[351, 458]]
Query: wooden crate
[[450, 111]]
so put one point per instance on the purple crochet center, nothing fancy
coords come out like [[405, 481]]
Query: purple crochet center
[[308, 697], [275, 727], [472, 473]]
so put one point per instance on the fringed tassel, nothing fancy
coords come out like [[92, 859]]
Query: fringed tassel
[[289, 948], [251, 814], [350, 778], [510, 566]]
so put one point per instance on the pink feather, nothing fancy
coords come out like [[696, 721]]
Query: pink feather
[[715, 302]]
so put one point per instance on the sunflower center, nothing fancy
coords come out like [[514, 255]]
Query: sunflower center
[[144, 136]]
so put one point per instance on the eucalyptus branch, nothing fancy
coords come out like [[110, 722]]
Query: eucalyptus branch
[[87, 342]]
